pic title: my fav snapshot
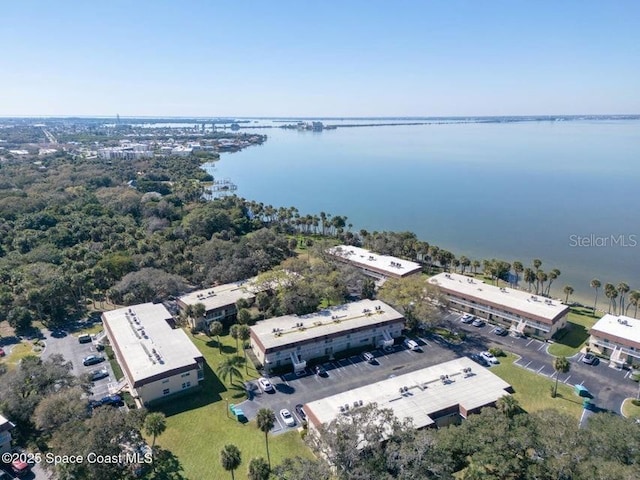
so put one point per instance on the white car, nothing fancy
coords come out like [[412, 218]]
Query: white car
[[411, 344], [467, 318], [265, 384], [489, 358], [288, 419]]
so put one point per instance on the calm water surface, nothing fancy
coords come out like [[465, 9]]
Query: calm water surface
[[515, 191]]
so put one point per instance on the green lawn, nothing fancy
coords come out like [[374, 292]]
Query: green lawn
[[573, 337], [630, 410], [18, 352], [198, 426], [533, 391]]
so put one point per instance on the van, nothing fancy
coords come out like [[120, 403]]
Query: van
[[411, 344], [368, 357], [84, 338]]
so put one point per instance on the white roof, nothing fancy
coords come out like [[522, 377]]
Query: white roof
[[286, 330], [220, 296], [426, 393], [147, 344], [511, 299], [619, 326], [383, 263]]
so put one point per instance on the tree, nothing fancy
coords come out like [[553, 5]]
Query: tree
[[244, 316], [595, 284], [228, 368], [198, 312], [258, 469], [266, 419], [537, 263], [611, 293], [560, 365], [215, 329], [553, 274], [634, 298], [234, 331], [368, 289], [508, 406], [568, 290], [299, 468], [622, 289], [529, 277], [476, 265], [244, 334], [155, 424], [230, 458], [415, 297]]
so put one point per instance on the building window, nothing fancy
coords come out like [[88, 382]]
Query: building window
[[186, 385], [166, 391], [364, 340], [166, 380], [185, 375]]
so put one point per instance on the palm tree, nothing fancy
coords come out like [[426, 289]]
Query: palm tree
[[244, 334], [228, 368], [476, 265], [537, 263], [560, 365], [234, 331], [230, 458], [266, 419], [623, 289], [215, 329], [634, 299], [541, 277], [508, 405], [529, 277], [595, 283], [518, 268], [553, 274], [154, 424], [568, 290], [611, 293], [198, 311], [258, 469]]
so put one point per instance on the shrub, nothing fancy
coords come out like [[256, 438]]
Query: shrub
[[497, 352], [636, 402]]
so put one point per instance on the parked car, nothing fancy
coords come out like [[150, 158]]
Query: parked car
[[488, 356], [590, 359], [368, 357], [478, 322], [20, 468], [411, 344], [2, 352], [92, 360], [99, 374], [320, 371], [113, 400], [479, 359], [301, 413], [288, 419], [500, 331], [467, 318], [265, 385], [99, 347], [5, 476], [84, 338]]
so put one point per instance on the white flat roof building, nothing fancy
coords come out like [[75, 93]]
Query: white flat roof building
[[373, 264], [219, 301], [458, 387], [616, 336], [5, 434], [293, 340], [508, 304], [150, 351]]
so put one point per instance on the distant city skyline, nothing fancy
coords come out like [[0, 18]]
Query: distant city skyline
[[292, 59]]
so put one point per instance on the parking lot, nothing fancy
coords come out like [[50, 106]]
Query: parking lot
[[66, 344], [342, 375]]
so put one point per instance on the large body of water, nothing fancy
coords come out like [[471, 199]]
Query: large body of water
[[515, 191]]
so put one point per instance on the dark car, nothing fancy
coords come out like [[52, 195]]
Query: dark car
[[84, 338], [113, 400], [92, 360], [5, 476], [590, 359], [300, 412], [320, 371], [479, 359], [500, 331]]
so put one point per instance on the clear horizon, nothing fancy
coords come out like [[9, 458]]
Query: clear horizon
[[357, 59]]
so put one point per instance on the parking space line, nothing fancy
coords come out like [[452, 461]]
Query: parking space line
[[567, 379], [626, 375], [541, 346], [530, 341], [528, 364], [541, 368]]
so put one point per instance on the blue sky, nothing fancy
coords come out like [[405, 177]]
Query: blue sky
[[348, 58]]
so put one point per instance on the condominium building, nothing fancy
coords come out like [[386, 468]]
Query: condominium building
[[520, 311], [616, 337], [219, 302], [292, 341], [374, 265], [5, 435], [434, 396], [156, 359]]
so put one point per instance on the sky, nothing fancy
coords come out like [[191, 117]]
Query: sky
[[332, 58]]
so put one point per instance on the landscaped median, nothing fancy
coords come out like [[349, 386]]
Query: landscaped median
[[533, 391], [573, 337], [198, 425], [631, 408]]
